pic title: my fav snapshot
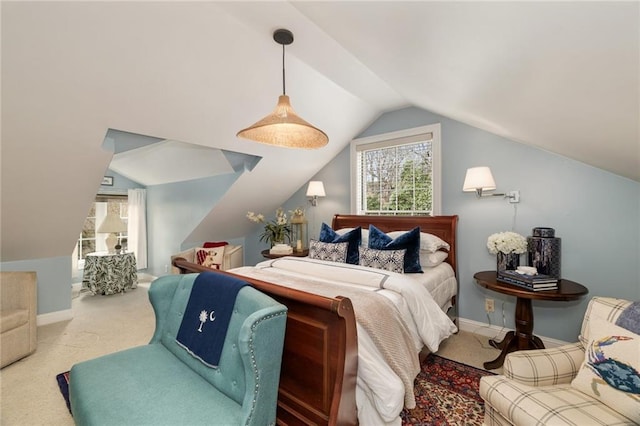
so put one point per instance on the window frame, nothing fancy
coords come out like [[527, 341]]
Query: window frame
[[394, 139], [105, 199]]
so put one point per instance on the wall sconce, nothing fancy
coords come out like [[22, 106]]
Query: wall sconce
[[315, 190], [479, 179]]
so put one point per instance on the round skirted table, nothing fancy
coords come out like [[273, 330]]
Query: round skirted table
[[110, 273], [523, 338]]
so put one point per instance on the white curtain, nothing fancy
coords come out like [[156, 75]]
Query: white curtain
[[137, 226]]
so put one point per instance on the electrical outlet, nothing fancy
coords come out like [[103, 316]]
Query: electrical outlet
[[489, 305]]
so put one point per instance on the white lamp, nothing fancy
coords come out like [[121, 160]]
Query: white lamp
[[315, 190], [111, 225], [479, 179]]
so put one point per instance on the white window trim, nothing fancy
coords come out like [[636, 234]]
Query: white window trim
[[434, 129]]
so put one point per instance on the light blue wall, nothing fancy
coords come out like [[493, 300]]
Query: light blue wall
[[335, 177], [54, 281], [120, 183], [174, 210], [55, 275], [596, 214]]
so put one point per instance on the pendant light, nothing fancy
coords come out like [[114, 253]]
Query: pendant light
[[283, 127]]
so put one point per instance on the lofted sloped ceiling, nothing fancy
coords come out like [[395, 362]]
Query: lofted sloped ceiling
[[563, 76]]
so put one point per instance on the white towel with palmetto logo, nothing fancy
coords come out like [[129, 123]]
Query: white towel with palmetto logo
[[206, 318]]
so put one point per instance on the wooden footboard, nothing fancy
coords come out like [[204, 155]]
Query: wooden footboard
[[320, 359]]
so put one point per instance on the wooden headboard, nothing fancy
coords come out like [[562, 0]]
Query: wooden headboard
[[440, 226]]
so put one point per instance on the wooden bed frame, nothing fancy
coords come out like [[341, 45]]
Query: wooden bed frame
[[320, 358]]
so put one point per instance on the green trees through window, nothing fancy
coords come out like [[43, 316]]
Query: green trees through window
[[398, 173]]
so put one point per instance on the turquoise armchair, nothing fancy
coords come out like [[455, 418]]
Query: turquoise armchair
[[162, 384]]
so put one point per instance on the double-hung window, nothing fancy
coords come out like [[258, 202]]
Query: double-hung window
[[91, 241], [397, 173]]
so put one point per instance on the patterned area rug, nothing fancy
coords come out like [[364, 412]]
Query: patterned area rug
[[446, 394]]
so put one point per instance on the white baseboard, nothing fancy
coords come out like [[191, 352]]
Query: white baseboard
[[52, 317], [497, 332], [143, 276]]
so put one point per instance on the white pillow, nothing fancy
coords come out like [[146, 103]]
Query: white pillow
[[365, 235], [428, 242], [431, 260], [610, 371]]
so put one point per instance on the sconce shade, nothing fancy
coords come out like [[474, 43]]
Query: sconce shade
[[315, 189], [478, 179], [283, 127], [112, 223]]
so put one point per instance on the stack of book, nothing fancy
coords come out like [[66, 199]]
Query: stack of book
[[538, 282]]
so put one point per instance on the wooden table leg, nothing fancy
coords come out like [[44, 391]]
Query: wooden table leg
[[508, 344], [519, 340]]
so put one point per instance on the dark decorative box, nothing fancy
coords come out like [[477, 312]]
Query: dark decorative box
[[544, 251]]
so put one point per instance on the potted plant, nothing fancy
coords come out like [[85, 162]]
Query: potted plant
[[276, 231]]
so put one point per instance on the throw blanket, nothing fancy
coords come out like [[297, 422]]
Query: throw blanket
[[375, 313], [206, 318]]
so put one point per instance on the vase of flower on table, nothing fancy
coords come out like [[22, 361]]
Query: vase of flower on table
[[507, 246]]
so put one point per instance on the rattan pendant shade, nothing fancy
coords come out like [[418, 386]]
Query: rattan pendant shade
[[283, 127]]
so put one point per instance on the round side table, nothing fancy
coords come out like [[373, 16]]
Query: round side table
[[523, 338], [267, 255]]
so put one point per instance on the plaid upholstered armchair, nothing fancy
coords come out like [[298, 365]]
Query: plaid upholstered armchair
[[594, 381]]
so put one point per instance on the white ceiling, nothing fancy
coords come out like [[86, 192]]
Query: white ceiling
[[562, 76]]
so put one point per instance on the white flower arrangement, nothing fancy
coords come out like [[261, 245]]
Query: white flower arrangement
[[507, 242]]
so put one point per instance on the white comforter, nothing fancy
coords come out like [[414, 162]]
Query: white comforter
[[380, 392]]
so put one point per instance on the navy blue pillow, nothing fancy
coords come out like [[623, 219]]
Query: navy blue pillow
[[353, 237], [409, 241]]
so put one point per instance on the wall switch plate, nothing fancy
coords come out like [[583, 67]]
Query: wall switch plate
[[489, 305]]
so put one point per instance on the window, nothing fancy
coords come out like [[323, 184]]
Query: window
[[89, 240], [397, 173]]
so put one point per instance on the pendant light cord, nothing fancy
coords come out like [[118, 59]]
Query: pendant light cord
[[284, 89]]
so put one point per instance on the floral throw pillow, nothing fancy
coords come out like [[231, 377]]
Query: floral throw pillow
[[611, 369], [333, 252], [390, 260], [210, 257]]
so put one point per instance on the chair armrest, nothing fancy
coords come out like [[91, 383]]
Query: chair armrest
[[233, 258], [544, 367], [260, 344], [161, 294], [188, 255]]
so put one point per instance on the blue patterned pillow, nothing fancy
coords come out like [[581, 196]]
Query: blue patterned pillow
[[390, 260], [333, 252], [353, 237], [409, 241]]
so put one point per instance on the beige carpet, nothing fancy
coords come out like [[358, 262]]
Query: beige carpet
[[105, 324]]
